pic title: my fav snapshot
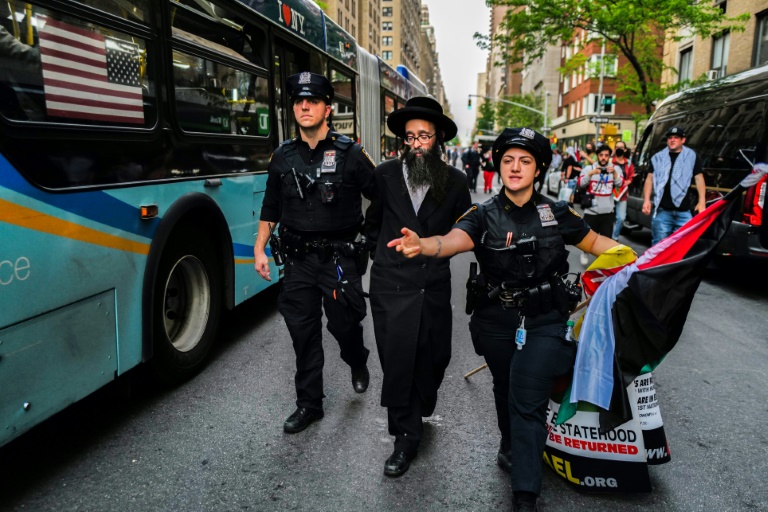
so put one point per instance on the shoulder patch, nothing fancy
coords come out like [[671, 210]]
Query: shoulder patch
[[367, 156], [471, 209], [574, 212]]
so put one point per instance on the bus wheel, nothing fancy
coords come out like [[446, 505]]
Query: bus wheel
[[187, 307]]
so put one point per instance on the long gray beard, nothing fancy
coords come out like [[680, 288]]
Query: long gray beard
[[428, 169]]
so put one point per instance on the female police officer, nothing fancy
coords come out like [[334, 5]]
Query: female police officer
[[521, 309]]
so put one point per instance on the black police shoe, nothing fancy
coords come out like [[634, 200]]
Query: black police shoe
[[524, 504], [301, 419], [398, 463], [504, 457], [360, 378]]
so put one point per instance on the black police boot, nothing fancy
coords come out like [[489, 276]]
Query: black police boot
[[301, 419], [398, 463], [360, 378], [524, 502], [504, 457]]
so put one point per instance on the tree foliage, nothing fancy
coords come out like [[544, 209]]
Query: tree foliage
[[635, 29], [513, 116]]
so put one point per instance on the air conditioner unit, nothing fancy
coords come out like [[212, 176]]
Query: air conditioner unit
[[713, 74]]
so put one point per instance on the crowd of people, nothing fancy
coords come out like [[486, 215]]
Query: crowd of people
[[519, 300]]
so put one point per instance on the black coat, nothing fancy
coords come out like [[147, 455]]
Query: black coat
[[411, 298]]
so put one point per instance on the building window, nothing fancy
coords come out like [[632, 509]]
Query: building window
[[594, 66], [761, 40], [340, 16], [609, 103], [387, 25], [686, 61], [566, 83], [386, 55], [354, 13], [720, 47], [386, 12], [386, 41]]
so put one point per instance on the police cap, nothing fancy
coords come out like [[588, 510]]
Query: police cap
[[527, 139], [309, 85]]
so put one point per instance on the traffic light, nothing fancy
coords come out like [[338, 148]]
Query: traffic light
[[469, 103]]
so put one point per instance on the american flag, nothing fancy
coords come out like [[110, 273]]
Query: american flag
[[90, 76]]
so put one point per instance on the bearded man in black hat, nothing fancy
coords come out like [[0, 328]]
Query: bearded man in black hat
[[410, 298], [313, 190]]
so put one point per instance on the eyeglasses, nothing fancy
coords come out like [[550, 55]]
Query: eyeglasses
[[423, 138]]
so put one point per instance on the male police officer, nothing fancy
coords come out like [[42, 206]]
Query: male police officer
[[313, 190]]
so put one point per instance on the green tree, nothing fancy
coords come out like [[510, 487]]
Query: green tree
[[635, 29], [513, 116], [486, 118]]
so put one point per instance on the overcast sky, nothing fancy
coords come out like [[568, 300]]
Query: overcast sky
[[455, 22]]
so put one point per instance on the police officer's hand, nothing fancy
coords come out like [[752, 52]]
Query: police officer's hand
[[261, 263], [409, 244]]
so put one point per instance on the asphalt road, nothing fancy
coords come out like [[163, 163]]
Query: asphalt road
[[216, 443]]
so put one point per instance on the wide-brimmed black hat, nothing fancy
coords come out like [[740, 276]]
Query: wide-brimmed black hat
[[309, 85], [422, 107], [528, 139], [676, 130]]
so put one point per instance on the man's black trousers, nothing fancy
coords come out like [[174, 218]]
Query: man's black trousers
[[309, 283]]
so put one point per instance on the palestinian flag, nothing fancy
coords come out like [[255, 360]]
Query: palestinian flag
[[637, 314]]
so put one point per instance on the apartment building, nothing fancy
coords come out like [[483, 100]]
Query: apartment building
[[430, 65], [723, 54], [580, 104], [401, 33], [360, 18]]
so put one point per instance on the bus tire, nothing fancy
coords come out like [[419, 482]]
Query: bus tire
[[187, 306]]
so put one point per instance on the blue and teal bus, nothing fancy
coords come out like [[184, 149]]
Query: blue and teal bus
[[134, 141]]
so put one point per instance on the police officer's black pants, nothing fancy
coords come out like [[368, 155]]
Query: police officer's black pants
[[523, 381], [308, 283]]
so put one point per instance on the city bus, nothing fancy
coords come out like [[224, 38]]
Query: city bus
[[135, 137]]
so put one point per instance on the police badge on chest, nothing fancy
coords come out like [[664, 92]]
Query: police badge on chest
[[329, 191], [546, 215]]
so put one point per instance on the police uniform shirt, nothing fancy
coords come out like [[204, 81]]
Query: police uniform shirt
[[358, 169], [666, 198], [570, 225]]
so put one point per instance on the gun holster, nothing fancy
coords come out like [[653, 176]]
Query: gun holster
[[276, 246]]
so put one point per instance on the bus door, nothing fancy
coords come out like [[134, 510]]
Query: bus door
[[288, 61]]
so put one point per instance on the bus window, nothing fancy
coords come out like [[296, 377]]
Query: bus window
[[132, 10], [214, 98], [75, 72], [344, 118], [342, 84]]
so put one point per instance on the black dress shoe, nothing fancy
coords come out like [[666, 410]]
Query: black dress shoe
[[301, 419], [360, 378], [504, 458], [398, 463]]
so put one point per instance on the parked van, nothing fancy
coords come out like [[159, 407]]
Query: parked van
[[726, 123]]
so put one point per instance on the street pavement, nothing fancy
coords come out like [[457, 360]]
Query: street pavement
[[216, 443]]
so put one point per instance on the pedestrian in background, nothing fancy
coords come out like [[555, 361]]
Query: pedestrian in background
[[411, 298], [313, 190], [519, 239], [489, 171], [621, 158], [669, 178], [570, 170], [471, 161], [598, 182]]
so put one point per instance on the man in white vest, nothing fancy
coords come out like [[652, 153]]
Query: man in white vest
[[669, 177]]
